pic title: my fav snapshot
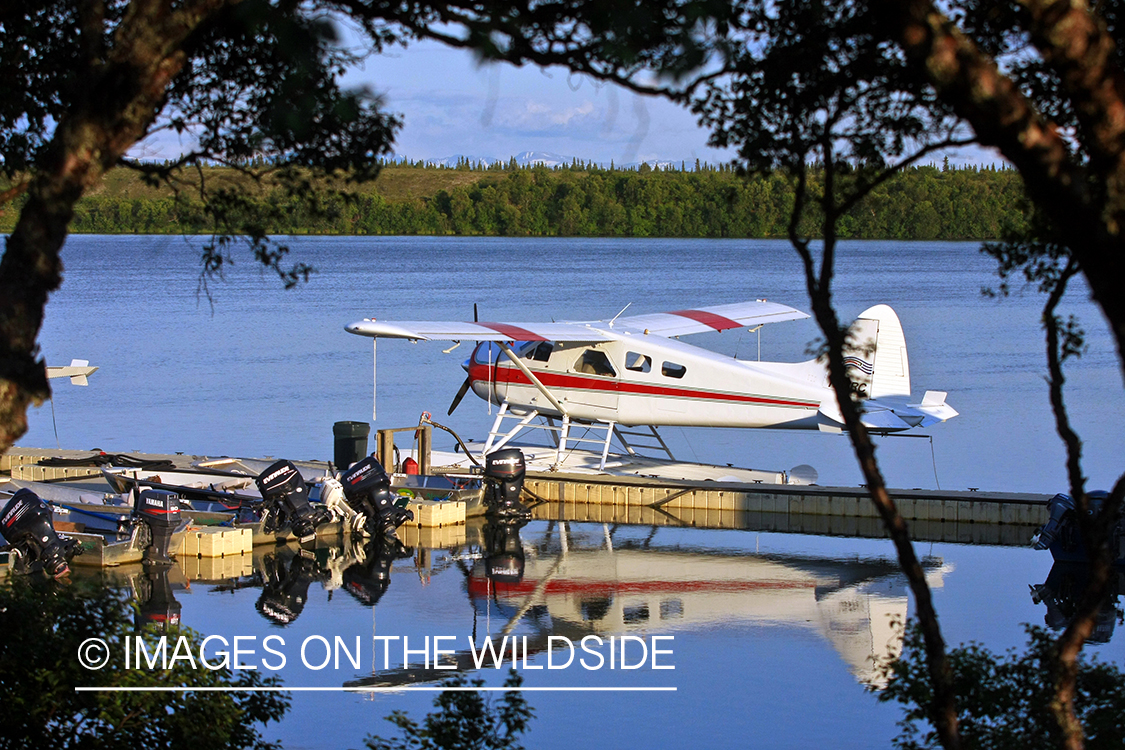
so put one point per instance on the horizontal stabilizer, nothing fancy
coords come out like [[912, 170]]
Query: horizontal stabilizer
[[78, 371], [934, 407]]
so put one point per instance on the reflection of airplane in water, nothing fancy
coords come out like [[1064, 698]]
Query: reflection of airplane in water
[[573, 583]]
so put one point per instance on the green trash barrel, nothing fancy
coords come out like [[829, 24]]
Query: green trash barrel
[[351, 442]]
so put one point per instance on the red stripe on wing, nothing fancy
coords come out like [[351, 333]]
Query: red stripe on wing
[[718, 322], [515, 332]]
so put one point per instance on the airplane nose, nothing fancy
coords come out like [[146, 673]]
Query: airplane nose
[[465, 364]]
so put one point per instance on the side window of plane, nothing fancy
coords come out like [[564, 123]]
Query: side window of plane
[[672, 370], [542, 353], [594, 362], [637, 362]]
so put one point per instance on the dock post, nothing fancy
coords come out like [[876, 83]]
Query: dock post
[[425, 444], [385, 449]]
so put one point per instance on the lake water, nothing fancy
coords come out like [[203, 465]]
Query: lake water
[[770, 632]]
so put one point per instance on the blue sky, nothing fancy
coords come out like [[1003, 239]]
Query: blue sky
[[451, 105]]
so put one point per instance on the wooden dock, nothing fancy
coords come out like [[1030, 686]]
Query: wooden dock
[[934, 515]]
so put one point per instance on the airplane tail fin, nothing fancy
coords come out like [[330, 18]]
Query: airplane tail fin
[[875, 355]]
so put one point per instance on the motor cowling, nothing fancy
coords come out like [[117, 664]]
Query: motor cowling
[[285, 588], [367, 579], [367, 489], [27, 526], [285, 500], [503, 550], [504, 472], [159, 511], [157, 607], [1058, 508]]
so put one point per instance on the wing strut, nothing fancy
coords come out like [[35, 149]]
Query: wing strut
[[531, 376]]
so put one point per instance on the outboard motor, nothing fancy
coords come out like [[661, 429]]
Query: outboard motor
[[1062, 535], [156, 603], [27, 526], [285, 501], [285, 588], [1065, 585], [156, 515], [368, 578], [504, 471], [367, 489], [503, 550], [1058, 507]]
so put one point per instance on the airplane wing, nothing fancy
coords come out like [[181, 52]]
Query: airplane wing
[[714, 318], [678, 323], [463, 331]]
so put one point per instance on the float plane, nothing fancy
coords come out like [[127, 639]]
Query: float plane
[[634, 372]]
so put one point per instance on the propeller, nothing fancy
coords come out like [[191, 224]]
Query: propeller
[[460, 395], [468, 379]]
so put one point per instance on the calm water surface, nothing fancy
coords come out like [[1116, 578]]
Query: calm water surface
[[771, 633]]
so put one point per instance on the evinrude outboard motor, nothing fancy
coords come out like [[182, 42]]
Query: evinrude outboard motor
[[503, 550], [1065, 585], [368, 578], [285, 501], [1059, 507], [285, 588], [504, 471], [156, 515], [27, 526], [1062, 535], [367, 489]]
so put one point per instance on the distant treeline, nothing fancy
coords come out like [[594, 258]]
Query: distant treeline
[[582, 200]]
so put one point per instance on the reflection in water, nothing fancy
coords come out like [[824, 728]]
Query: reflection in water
[[369, 576], [1061, 591], [286, 574], [580, 580], [156, 603]]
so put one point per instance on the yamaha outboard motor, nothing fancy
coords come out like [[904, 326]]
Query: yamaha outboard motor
[[367, 489], [503, 550], [27, 526], [504, 471], [156, 604], [367, 579], [285, 501], [156, 515]]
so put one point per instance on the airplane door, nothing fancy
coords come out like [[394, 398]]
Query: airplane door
[[597, 384]]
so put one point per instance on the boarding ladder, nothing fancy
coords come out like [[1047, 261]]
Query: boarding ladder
[[560, 435]]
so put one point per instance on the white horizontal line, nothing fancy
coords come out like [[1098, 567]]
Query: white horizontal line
[[403, 689]]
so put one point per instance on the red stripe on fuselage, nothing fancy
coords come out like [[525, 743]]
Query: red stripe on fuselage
[[479, 586], [514, 332], [508, 374], [718, 322]]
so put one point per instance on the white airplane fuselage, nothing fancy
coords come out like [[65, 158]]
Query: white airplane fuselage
[[644, 380]]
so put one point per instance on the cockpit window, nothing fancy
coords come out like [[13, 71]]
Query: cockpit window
[[540, 351], [637, 362], [673, 370], [486, 353], [594, 362]]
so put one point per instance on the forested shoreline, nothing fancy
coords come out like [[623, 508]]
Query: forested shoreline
[[580, 200]]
